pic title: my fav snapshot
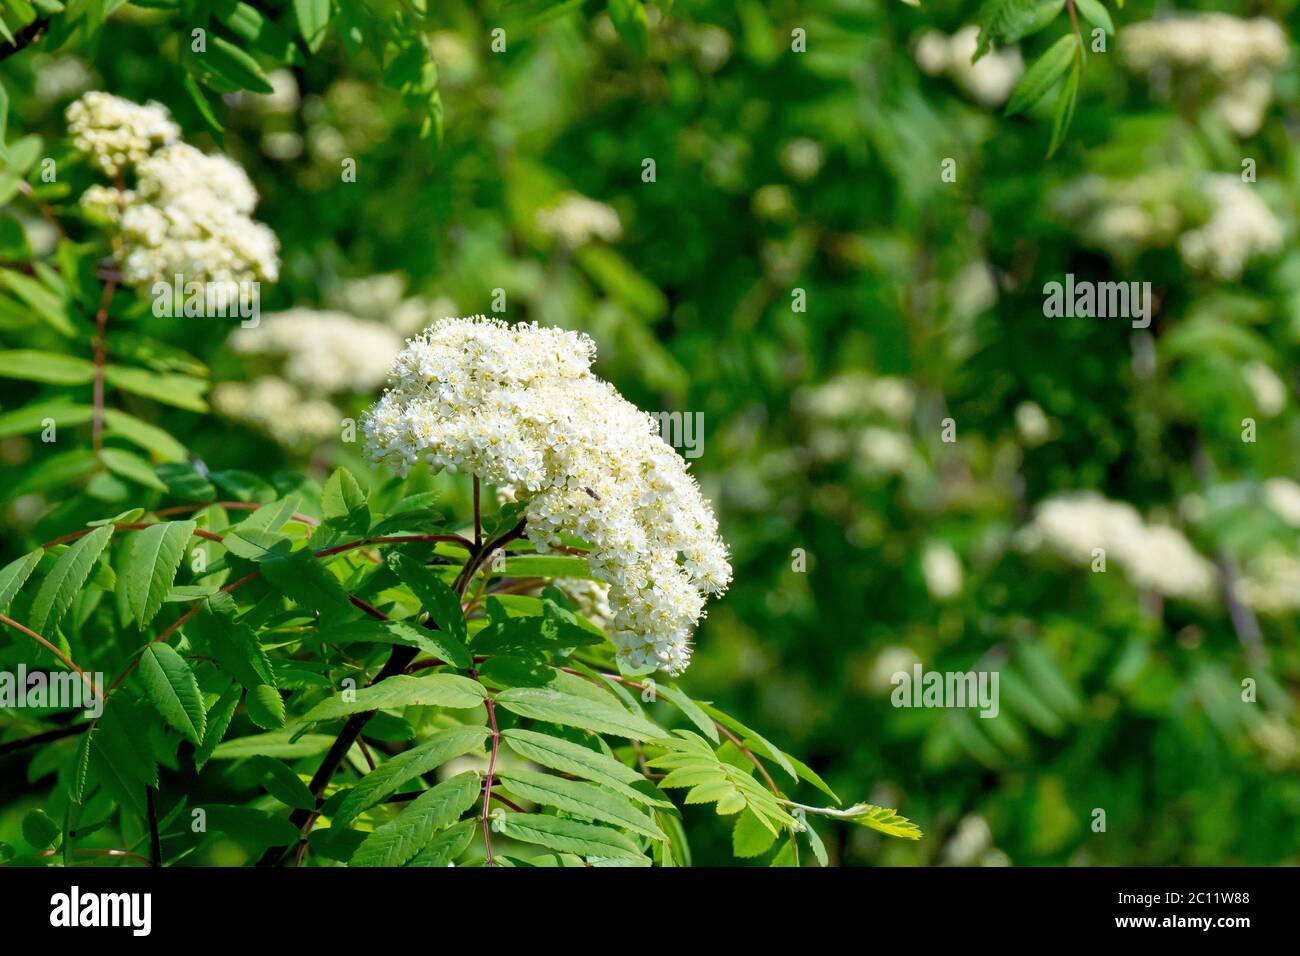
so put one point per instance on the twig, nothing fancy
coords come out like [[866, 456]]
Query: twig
[[155, 844], [52, 649], [44, 737], [491, 773], [24, 38]]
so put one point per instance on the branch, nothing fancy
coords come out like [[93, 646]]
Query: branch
[[155, 844], [25, 38], [52, 649], [44, 737]]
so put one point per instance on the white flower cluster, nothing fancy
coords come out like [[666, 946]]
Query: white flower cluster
[[1240, 55], [277, 408], [519, 405], [1268, 391], [114, 133], [329, 352], [1221, 44], [1271, 582], [188, 214], [1152, 210], [576, 220], [1122, 216], [989, 80], [942, 570], [1282, 495], [1240, 227], [1155, 557]]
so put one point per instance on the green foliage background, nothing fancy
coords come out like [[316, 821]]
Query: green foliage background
[[1114, 701]]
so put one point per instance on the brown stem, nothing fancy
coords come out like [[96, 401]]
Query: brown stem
[[52, 649], [487, 784], [478, 520]]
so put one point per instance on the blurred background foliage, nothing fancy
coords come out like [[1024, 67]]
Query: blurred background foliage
[[800, 272]]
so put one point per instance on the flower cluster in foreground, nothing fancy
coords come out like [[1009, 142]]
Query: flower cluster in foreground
[[188, 214], [520, 406]]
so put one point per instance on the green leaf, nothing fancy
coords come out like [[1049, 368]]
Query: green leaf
[[265, 706], [179, 391], [152, 565], [313, 17], [580, 798], [183, 481], [691, 709], [579, 761], [39, 830], [302, 578], [1038, 79], [200, 101], [387, 777], [569, 836], [1064, 111], [440, 644], [15, 573], [58, 469], [396, 842], [753, 739], [750, 838], [630, 20], [149, 437], [236, 648], [344, 503], [285, 744], [262, 34], [77, 787], [33, 417], [442, 603], [219, 718], [544, 703], [285, 785], [131, 466], [1096, 14], [233, 65], [48, 305], [400, 690], [815, 842], [67, 577], [250, 824], [1004, 22], [46, 367], [170, 686], [447, 845], [121, 759]]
